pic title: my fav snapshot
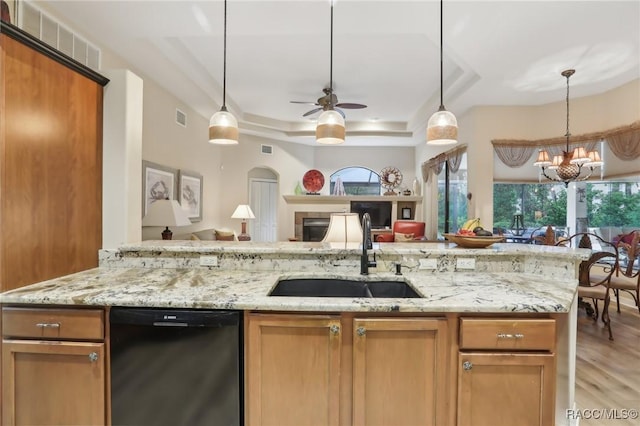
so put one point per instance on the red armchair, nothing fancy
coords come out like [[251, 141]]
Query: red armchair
[[408, 230]]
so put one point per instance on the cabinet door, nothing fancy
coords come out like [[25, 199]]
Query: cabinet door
[[48, 383], [293, 370], [506, 389], [399, 371]]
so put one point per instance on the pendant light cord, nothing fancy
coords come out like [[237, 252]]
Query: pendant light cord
[[331, 52], [224, 63], [441, 67], [568, 134]]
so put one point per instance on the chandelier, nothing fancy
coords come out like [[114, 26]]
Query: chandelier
[[568, 167]]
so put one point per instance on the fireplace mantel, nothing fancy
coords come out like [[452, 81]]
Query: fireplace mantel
[[346, 199]]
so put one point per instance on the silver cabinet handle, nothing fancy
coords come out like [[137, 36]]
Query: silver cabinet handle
[[48, 325], [334, 329], [93, 357], [467, 366], [361, 331], [510, 336]]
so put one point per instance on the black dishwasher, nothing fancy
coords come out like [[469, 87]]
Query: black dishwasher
[[176, 367]]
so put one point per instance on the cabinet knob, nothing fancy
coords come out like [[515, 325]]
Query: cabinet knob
[[467, 366], [361, 331], [93, 357], [334, 329]]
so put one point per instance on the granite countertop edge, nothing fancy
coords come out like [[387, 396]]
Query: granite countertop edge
[[208, 288]]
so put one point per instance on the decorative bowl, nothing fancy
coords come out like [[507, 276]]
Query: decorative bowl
[[467, 241]]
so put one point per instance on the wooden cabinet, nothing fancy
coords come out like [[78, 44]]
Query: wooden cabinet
[[330, 370], [51, 162], [53, 366], [506, 372], [399, 371], [292, 369]]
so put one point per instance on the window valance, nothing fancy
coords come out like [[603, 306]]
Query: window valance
[[434, 165], [623, 141]]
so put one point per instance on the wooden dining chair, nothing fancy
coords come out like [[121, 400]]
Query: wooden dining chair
[[549, 238], [627, 274], [595, 286]]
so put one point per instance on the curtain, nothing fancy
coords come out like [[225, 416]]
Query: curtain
[[435, 165], [624, 142]]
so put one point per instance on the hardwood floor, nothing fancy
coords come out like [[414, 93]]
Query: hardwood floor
[[608, 372]]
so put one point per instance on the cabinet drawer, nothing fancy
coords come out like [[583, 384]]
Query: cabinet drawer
[[508, 334], [43, 323]]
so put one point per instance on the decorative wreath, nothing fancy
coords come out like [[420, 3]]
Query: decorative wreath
[[390, 177]]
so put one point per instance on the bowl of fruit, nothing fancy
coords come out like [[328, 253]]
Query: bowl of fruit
[[473, 235]]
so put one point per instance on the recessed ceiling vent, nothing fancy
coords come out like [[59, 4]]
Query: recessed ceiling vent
[[181, 118], [266, 149], [44, 27]]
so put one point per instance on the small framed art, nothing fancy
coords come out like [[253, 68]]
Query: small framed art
[[190, 194]]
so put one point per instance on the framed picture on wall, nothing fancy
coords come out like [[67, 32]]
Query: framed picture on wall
[[158, 183], [406, 212], [190, 194]]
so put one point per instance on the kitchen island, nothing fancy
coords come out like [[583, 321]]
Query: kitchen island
[[464, 292]]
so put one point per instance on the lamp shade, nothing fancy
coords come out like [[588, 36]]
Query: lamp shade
[[442, 128], [223, 128], [330, 128], [344, 228], [243, 211], [166, 213]]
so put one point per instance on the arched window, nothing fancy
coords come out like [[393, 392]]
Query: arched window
[[355, 181]]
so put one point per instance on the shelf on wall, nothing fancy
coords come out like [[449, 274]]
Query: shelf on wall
[[345, 199]]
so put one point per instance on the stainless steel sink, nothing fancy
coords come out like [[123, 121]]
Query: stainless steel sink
[[329, 287]]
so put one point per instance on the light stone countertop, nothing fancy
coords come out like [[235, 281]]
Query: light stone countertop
[[247, 290]]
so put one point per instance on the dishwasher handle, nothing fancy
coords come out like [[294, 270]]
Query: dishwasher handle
[[174, 317]]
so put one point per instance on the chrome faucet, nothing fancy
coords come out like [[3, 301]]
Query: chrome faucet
[[367, 244]]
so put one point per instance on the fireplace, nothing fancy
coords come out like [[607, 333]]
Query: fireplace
[[311, 226], [314, 228]]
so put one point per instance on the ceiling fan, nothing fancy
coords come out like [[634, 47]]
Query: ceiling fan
[[329, 102]]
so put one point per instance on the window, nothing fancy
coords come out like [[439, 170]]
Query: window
[[613, 204], [539, 204], [452, 197], [356, 181]]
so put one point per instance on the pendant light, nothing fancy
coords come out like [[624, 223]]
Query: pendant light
[[442, 128], [568, 166], [223, 126], [330, 128]]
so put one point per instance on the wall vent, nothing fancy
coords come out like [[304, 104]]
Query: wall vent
[[46, 28], [266, 149], [181, 118]]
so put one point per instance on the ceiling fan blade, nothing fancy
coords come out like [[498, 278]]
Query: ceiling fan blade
[[304, 102], [347, 105], [313, 111]]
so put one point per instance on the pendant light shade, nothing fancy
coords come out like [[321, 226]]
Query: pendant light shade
[[223, 126], [330, 129], [442, 127]]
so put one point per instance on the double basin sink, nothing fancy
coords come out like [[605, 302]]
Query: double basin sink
[[329, 287]]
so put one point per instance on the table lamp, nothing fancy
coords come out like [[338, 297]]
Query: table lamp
[[243, 212], [166, 213], [344, 228]]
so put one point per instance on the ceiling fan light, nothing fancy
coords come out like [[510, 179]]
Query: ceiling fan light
[[330, 129], [442, 128], [223, 128]]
